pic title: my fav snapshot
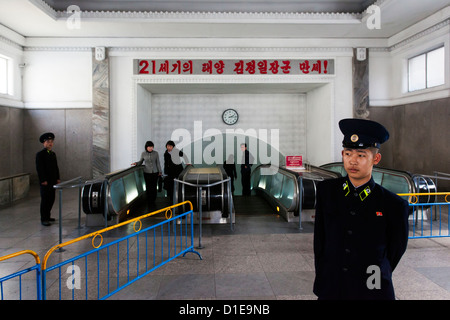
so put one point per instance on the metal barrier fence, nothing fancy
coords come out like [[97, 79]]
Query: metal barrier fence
[[103, 271], [200, 202], [429, 219], [15, 284]]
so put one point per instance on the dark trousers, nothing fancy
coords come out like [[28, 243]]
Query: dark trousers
[[245, 180], [47, 201], [151, 183], [232, 183], [168, 185]]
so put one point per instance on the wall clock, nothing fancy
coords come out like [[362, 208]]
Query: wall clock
[[230, 116]]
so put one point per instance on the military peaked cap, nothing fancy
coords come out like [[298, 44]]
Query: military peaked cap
[[362, 134], [46, 136]]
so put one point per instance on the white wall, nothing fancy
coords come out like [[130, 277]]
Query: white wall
[[122, 124], [327, 105], [15, 53], [320, 125], [342, 103], [279, 116], [388, 70], [143, 119], [57, 79]]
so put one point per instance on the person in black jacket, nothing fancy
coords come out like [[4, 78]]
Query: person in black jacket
[[246, 170], [361, 229], [172, 166], [48, 175]]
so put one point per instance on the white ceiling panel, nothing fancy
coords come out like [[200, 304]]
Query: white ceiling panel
[[345, 19]]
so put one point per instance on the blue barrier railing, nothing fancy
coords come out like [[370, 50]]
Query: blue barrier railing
[[429, 215], [107, 269], [15, 281], [103, 271], [424, 225]]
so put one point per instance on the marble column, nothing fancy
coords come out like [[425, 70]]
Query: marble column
[[361, 83], [101, 163]]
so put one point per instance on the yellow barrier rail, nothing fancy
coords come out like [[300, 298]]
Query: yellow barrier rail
[[19, 253], [417, 195], [18, 274], [94, 235]]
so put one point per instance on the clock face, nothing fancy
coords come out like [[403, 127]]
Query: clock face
[[230, 116]]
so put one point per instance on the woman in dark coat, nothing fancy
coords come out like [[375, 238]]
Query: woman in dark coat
[[172, 166]]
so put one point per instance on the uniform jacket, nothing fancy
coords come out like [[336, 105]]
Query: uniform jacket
[[355, 229], [151, 161], [47, 167]]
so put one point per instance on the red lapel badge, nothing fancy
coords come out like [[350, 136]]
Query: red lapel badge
[[379, 214]]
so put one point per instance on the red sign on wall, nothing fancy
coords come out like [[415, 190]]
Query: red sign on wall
[[234, 67], [294, 162]]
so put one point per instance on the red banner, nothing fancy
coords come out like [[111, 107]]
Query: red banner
[[234, 67]]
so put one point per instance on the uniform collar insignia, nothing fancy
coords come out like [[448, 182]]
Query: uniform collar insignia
[[347, 187], [365, 193]]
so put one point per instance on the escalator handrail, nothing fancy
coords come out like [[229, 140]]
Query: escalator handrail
[[297, 177], [69, 183], [290, 174], [203, 185]]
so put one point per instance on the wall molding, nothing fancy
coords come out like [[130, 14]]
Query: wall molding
[[208, 16], [423, 95], [114, 50], [221, 17], [11, 43], [420, 35]]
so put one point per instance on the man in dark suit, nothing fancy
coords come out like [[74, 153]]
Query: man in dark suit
[[361, 229], [246, 170], [48, 174]]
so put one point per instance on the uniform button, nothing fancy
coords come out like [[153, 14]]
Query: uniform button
[[344, 269], [349, 232], [347, 251], [356, 194], [352, 213]]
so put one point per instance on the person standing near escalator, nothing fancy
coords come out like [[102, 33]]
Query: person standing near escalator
[[48, 175], [152, 172], [360, 228], [172, 166]]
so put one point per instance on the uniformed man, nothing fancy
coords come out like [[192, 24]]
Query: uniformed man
[[361, 229], [48, 175], [246, 170]]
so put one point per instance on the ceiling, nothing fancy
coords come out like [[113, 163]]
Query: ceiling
[[355, 6], [196, 23], [215, 19]]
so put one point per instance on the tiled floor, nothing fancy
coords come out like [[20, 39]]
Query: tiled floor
[[263, 258]]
